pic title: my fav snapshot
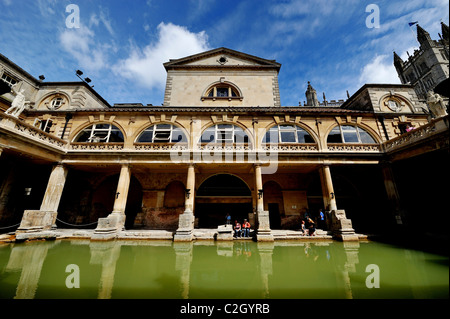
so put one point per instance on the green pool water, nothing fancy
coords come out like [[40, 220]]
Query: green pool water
[[219, 270]]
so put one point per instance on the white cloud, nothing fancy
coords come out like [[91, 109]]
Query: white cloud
[[81, 45], [104, 19], [380, 70], [145, 66]]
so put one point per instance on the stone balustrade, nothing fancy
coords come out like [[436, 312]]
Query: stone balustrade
[[29, 131], [436, 126]]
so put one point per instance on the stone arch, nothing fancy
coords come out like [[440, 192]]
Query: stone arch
[[220, 194], [103, 197]]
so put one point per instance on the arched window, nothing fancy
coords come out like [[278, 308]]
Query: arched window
[[224, 133], [222, 90], [287, 134], [162, 133], [349, 134], [100, 133]]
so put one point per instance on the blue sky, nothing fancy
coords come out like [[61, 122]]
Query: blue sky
[[121, 45]]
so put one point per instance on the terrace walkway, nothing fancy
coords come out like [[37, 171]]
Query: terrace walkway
[[199, 234]]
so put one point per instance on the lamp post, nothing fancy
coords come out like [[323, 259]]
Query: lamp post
[[79, 73]]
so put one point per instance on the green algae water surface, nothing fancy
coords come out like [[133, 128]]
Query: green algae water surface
[[219, 270]]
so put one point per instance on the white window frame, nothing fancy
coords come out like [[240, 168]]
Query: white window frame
[[9, 81], [228, 131], [156, 130], [357, 128], [288, 128]]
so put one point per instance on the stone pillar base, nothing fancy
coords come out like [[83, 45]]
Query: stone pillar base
[[37, 220], [109, 227], [264, 236], [185, 231], [341, 227], [36, 224], [225, 232], [263, 232]]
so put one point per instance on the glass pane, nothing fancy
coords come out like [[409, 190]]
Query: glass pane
[[335, 136], [146, 136], [116, 137], [350, 135], [240, 136], [224, 135], [84, 136], [208, 135], [224, 127], [102, 126], [271, 136], [163, 127], [287, 128], [178, 136], [287, 137], [365, 137], [222, 92], [100, 136], [162, 137], [304, 137]]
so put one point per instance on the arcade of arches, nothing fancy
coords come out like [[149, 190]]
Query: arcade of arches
[[156, 198]]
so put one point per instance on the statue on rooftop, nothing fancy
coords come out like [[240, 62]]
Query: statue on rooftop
[[18, 104], [436, 104]]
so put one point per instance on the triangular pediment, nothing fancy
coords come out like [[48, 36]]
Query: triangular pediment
[[222, 57]]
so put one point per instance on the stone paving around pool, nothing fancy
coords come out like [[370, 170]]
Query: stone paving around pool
[[198, 234]]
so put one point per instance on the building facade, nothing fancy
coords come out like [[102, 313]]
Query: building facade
[[220, 143], [427, 66]]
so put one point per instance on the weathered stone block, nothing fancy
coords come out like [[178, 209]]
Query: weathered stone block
[[36, 220], [225, 232], [185, 227]]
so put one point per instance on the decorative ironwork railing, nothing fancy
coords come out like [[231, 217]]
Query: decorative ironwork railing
[[341, 147], [290, 147], [161, 146], [97, 146], [225, 147]]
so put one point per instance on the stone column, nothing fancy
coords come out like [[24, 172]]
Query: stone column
[[339, 224], [45, 218], [392, 192], [109, 227], [120, 202], [54, 189], [186, 220], [263, 232], [329, 198]]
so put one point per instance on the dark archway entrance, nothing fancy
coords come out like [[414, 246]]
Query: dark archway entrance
[[82, 204], [274, 203], [221, 194]]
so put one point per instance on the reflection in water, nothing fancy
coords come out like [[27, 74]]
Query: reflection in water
[[206, 269]]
